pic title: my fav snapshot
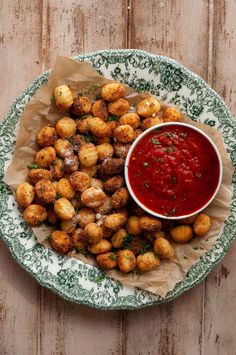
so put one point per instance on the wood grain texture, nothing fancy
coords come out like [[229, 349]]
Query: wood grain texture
[[69, 28], [178, 29], [74, 27], [20, 46], [176, 327], [220, 313]]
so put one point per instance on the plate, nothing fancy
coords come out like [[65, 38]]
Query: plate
[[68, 277]]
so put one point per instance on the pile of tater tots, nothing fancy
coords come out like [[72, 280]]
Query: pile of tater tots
[[76, 183]]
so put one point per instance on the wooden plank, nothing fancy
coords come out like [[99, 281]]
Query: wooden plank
[[71, 28], [168, 28], [74, 27], [20, 45], [220, 314], [177, 29]]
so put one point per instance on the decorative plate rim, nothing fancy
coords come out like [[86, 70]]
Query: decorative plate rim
[[209, 266]]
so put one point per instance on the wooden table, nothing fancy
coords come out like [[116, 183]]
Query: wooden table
[[202, 35]]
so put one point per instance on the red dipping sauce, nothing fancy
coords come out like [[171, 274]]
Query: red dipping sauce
[[173, 170]]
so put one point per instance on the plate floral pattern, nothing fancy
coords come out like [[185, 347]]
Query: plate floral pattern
[[69, 277]]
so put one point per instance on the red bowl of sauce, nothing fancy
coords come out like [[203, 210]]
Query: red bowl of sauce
[[173, 170]]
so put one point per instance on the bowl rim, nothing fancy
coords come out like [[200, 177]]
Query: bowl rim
[[140, 137]]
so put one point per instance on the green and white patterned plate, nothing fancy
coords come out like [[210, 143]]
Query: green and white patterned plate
[[69, 277]]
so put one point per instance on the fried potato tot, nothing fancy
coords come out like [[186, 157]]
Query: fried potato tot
[[131, 119], [133, 226], [100, 248], [25, 194], [63, 97], [80, 181], [150, 122], [63, 147], [90, 170], [124, 133], [61, 242], [71, 163], [83, 126], [35, 214], [112, 91], [45, 157], [118, 238], [85, 216], [106, 207], [57, 169], [113, 184], [121, 149], [126, 260], [114, 221], [149, 224], [65, 127], [93, 197], [119, 107], [99, 109], [93, 233], [47, 136], [69, 226], [104, 150], [65, 189], [148, 107], [111, 166], [163, 248], [38, 174], [88, 155], [45, 191], [120, 198], [64, 209], [81, 106], [172, 114], [202, 224], [181, 234], [98, 127], [107, 261], [147, 261], [79, 240]]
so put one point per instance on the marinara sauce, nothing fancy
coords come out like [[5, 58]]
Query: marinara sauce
[[174, 170]]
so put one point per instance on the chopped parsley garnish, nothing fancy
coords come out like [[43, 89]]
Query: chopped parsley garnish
[[113, 257], [89, 137], [80, 94], [113, 118], [97, 97], [146, 184], [195, 248], [170, 149], [158, 129], [93, 87], [84, 116], [52, 99], [197, 174], [155, 141], [145, 163], [173, 210], [70, 139], [82, 251], [146, 247], [174, 179], [32, 166], [126, 241], [169, 134], [58, 196], [183, 135]]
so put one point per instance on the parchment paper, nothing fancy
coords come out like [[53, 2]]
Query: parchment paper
[[41, 112]]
